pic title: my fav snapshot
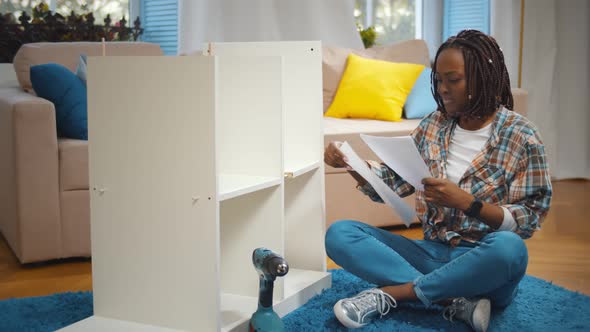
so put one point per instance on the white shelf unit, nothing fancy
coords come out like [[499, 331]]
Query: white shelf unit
[[194, 162]]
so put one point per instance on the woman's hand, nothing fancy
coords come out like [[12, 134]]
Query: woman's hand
[[333, 156], [443, 192]]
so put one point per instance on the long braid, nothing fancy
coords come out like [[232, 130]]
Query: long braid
[[488, 82]]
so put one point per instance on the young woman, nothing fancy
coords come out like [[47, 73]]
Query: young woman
[[490, 189]]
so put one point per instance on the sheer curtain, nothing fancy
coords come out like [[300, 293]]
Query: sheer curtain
[[556, 73], [330, 21]]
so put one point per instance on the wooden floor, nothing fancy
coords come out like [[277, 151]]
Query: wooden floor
[[558, 253]]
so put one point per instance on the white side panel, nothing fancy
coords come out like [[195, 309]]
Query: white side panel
[[249, 116], [153, 191], [304, 221], [302, 92], [249, 222]]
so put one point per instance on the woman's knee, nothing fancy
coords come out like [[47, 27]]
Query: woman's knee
[[510, 250], [338, 232]]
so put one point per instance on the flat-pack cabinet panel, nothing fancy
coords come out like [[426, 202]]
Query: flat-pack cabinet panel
[[153, 208], [302, 96], [250, 115], [244, 229], [304, 235]]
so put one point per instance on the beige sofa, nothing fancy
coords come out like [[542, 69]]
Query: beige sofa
[[44, 200], [343, 200]]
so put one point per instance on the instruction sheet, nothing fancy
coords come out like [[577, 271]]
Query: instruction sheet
[[405, 212]]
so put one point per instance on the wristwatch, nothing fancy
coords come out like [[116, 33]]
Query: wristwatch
[[474, 209]]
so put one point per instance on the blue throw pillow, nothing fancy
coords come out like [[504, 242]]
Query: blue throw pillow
[[420, 101], [66, 91]]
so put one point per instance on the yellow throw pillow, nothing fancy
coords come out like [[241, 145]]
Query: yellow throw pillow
[[373, 89]]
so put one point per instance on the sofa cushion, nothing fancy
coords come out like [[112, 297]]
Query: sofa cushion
[[350, 129], [68, 55], [420, 102], [373, 89], [334, 61], [73, 164], [67, 92]]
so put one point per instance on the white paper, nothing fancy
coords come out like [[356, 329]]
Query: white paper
[[405, 212], [402, 156]]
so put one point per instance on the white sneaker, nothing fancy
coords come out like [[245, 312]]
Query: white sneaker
[[357, 311]]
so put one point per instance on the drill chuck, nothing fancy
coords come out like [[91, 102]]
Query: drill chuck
[[268, 264]]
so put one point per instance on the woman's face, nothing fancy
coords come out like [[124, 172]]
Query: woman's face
[[451, 81]]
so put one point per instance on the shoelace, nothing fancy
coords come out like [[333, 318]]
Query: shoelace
[[374, 297], [450, 311]]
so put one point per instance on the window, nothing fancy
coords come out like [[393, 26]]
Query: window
[[17, 7], [465, 14], [100, 8], [394, 20], [160, 22]]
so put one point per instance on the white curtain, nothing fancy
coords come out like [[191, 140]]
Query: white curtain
[[330, 21], [556, 74]]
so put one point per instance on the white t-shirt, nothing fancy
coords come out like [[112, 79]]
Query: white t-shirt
[[464, 146]]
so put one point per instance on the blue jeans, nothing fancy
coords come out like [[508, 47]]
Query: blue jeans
[[491, 268]]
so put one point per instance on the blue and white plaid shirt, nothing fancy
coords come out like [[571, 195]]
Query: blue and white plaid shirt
[[511, 171]]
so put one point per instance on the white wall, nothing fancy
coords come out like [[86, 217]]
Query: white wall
[[330, 21]]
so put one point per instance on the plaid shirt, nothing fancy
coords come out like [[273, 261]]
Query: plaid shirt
[[511, 171]]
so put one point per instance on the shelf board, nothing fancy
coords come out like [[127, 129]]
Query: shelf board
[[234, 185], [296, 169], [300, 286]]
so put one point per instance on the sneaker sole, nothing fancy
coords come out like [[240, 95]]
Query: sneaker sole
[[481, 314], [342, 318]]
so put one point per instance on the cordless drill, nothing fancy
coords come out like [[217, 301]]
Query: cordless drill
[[269, 266]]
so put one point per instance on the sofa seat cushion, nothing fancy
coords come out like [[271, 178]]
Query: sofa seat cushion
[[350, 129], [73, 164]]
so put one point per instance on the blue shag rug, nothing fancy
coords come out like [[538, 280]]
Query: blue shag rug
[[539, 306]]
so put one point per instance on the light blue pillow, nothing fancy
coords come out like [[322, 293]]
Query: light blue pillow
[[81, 69], [420, 101], [66, 91]]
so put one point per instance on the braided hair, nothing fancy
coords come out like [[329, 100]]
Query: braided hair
[[487, 80]]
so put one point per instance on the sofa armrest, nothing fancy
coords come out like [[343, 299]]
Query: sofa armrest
[[29, 175]]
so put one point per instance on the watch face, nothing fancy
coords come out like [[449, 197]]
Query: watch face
[[478, 206], [474, 209]]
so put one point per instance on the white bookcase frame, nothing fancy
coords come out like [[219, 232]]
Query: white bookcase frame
[[195, 161]]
